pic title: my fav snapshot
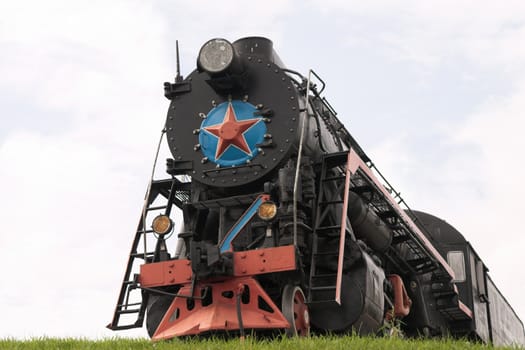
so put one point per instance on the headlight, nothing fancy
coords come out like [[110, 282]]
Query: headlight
[[267, 210], [162, 224], [216, 56]]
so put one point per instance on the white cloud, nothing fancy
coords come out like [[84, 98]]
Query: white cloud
[[475, 182], [486, 33]]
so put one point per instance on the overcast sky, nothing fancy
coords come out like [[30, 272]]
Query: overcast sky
[[433, 90]]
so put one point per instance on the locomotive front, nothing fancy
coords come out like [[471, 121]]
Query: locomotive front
[[234, 126], [237, 117]]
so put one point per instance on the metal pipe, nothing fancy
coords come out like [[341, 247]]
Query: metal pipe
[[146, 200], [298, 165]]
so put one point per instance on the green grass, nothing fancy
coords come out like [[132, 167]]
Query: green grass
[[314, 343]]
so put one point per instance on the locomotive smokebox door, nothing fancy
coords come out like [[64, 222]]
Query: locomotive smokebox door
[[232, 134]]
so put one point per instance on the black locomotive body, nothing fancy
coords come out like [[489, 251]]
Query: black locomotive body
[[287, 224]]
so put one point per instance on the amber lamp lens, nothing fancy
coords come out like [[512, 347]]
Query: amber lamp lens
[[267, 210], [162, 224]]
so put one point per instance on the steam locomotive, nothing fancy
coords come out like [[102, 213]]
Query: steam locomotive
[[287, 225]]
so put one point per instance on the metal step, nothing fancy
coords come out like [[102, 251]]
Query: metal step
[[226, 202], [324, 229], [128, 311], [326, 254], [141, 255], [323, 288], [156, 208], [331, 202], [334, 178]]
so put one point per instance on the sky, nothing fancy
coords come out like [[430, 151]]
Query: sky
[[434, 91]]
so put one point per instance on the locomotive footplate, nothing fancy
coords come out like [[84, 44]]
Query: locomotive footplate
[[247, 263]]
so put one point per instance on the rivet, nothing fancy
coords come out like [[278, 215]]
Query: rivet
[[255, 173], [248, 161], [259, 106], [274, 159], [292, 98], [294, 108], [291, 130], [287, 141], [171, 118], [268, 65], [170, 129], [174, 148], [289, 88], [204, 160], [196, 131], [261, 269], [213, 103], [234, 180], [234, 172], [259, 60], [281, 150], [172, 107], [245, 98], [261, 253], [172, 280], [283, 78], [179, 157], [249, 58], [243, 256], [276, 71], [171, 139], [267, 136], [197, 147], [243, 270], [202, 115]]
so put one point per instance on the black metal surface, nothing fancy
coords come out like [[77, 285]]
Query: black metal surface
[[269, 86], [362, 301], [438, 230]]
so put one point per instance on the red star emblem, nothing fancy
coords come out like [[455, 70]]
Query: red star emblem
[[231, 132]]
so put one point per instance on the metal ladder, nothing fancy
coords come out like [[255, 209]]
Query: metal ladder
[[175, 193], [333, 191]]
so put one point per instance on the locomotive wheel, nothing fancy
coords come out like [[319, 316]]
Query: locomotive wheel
[[295, 311]]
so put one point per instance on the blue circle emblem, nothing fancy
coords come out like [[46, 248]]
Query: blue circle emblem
[[231, 132]]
